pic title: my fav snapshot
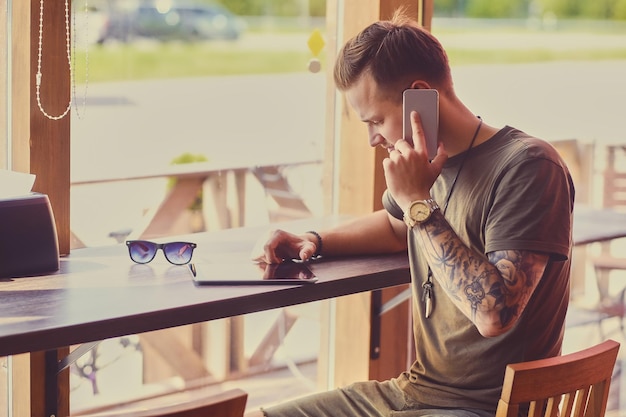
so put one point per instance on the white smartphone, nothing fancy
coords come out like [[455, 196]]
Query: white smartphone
[[426, 103]]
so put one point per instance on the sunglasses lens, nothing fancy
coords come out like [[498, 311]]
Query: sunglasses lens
[[141, 251], [178, 253]]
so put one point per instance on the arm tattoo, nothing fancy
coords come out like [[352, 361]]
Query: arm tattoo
[[501, 282], [520, 275]]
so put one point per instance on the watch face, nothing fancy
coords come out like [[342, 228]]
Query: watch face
[[419, 211]]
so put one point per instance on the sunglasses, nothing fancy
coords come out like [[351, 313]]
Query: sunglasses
[[144, 251]]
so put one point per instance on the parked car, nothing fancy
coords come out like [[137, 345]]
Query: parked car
[[176, 22]]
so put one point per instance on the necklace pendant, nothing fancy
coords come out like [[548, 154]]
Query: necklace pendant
[[427, 298]]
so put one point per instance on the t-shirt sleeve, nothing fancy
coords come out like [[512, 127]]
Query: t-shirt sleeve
[[532, 209], [391, 206]]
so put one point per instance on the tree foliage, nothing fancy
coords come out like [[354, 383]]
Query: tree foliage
[[588, 9], [276, 7]]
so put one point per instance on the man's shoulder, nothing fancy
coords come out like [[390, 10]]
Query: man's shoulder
[[528, 145]]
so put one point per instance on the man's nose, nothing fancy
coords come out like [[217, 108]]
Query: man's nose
[[376, 139]]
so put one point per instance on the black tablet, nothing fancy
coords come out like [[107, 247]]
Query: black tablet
[[286, 273]]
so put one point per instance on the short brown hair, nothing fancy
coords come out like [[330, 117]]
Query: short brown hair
[[395, 52]]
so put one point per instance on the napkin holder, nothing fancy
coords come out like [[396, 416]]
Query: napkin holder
[[28, 236]]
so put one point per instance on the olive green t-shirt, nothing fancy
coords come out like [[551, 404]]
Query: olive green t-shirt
[[514, 192]]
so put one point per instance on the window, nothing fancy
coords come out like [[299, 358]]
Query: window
[[180, 87], [167, 86]]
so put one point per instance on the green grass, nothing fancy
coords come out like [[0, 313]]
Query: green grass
[[130, 62], [171, 61]]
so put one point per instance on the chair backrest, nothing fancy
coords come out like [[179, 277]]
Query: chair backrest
[[231, 403], [576, 384]]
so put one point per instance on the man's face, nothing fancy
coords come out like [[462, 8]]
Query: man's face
[[382, 115]]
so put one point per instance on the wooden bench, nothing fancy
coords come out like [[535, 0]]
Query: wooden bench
[[212, 179]]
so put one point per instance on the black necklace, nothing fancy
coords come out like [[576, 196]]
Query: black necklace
[[428, 285]]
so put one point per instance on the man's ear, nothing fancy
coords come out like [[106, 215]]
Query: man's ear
[[420, 84]]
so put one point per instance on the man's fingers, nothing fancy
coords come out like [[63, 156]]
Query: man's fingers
[[419, 138], [440, 159], [307, 250], [305, 254]]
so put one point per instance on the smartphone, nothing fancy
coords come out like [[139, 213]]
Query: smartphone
[[426, 103]]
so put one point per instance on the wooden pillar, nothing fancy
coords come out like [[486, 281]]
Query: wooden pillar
[[50, 139], [4, 94], [43, 395], [19, 372], [355, 180]]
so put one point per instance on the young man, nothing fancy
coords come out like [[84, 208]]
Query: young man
[[487, 225]]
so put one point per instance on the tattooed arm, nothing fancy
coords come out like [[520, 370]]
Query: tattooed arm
[[491, 290]]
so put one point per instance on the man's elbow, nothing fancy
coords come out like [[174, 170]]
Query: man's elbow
[[493, 328]]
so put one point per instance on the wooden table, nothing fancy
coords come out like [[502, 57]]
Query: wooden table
[[592, 225], [595, 225], [99, 293]]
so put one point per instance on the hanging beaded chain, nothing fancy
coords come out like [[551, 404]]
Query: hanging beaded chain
[[69, 50], [86, 37]]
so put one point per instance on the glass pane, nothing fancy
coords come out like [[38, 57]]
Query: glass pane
[[171, 88], [161, 87]]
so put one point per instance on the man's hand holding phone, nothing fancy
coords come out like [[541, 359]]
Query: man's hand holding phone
[[409, 170]]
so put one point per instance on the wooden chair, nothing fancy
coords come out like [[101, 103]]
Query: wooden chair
[[578, 316], [614, 196], [231, 403], [576, 384]]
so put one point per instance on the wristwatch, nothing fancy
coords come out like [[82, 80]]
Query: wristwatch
[[419, 211]]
